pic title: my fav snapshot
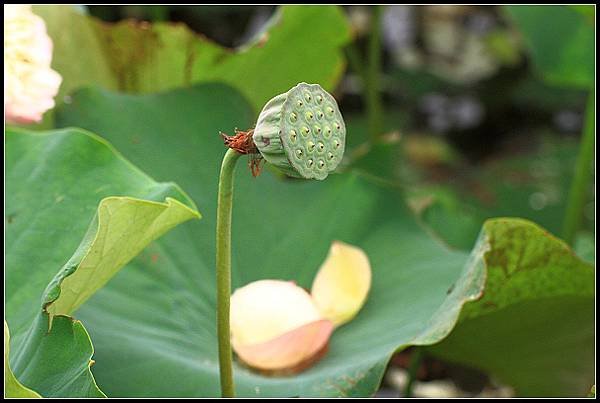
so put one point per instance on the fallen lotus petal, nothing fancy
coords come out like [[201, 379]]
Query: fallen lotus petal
[[292, 351], [342, 283], [278, 327], [266, 309]]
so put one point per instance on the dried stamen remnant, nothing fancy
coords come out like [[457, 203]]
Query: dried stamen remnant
[[243, 143]]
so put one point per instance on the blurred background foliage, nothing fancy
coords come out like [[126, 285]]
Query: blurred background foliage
[[481, 108], [474, 111]]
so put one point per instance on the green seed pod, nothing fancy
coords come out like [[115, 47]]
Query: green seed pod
[[302, 132]]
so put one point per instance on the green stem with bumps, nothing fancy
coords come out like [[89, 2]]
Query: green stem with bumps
[[581, 179], [224, 204]]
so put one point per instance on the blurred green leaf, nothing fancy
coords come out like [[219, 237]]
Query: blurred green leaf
[[534, 92], [414, 83], [77, 55], [588, 10], [302, 43], [532, 185], [56, 182], [561, 42], [446, 215]]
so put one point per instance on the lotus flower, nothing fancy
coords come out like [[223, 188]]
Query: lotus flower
[[30, 85], [278, 327]]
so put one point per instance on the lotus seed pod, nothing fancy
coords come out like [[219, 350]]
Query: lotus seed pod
[[302, 132]]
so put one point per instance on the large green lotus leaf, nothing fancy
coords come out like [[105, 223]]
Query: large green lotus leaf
[[561, 42], [300, 43], [158, 337], [534, 325], [56, 362], [159, 313], [57, 183]]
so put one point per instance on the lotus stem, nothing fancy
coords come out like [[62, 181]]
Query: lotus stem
[[224, 205], [581, 179], [302, 134]]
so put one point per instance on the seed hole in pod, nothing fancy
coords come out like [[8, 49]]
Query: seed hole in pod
[[329, 111], [309, 163], [307, 97], [299, 153], [293, 117], [317, 129], [319, 99], [309, 115], [321, 164], [320, 147], [305, 130], [327, 131], [336, 143], [330, 156], [299, 103], [311, 146], [293, 135], [337, 126], [320, 115]]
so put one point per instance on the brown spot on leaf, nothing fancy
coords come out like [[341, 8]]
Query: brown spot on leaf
[[190, 59], [130, 45]]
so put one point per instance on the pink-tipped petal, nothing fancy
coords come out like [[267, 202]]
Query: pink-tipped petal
[[291, 352], [265, 309]]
